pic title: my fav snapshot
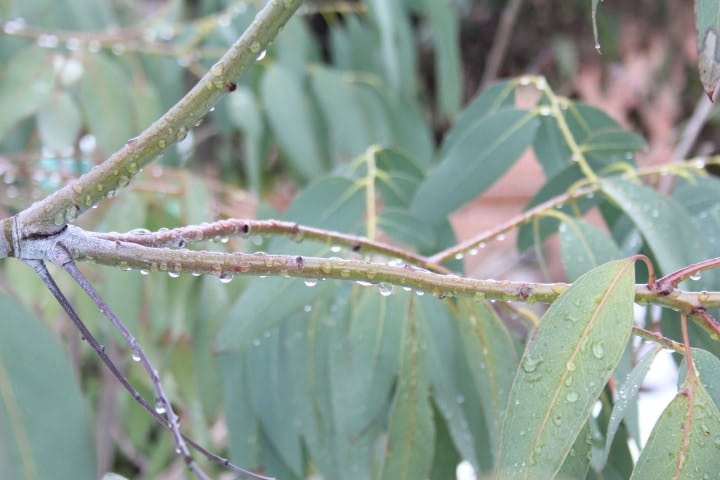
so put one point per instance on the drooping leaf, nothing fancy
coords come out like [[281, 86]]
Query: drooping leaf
[[627, 394], [44, 431], [708, 371], [292, 121], [444, 25], [491, 356], [564, 369], [342, 114], [707, 21], [26, 84], [396, 45], [684, 441], [104, 89], [474, 162], [411, 431], [244, 113], [584, 247], [665, 225]]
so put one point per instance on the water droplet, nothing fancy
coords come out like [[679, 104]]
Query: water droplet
[[557, 420], [160, 407], [571, 366], [572, 397], [598, 47], [135, 354], [530, 363], [363, 283], [419, 293], [575, 157], [459, 256], [14, 26], [311, 282], [48, 41], [544, 111], [255, 47], [385, 289], [696, 276], [598, 350], [335, 249], [473, 251], [525, 81], [307, 308], [261, 55], [500, 237], [541, 83], [225, 277], [173, 274], [144, 272]]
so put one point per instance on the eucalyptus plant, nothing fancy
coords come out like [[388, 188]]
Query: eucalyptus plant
[[341, 339]]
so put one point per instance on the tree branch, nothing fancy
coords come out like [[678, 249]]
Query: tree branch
[[65, 205]]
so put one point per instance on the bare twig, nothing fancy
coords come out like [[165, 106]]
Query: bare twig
[[500, 43], [87, 335]]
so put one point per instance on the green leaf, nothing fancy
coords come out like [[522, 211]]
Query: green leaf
[[444, 26], [294, 46], [564, 369], [407, 228], [396, 45], [244, 113], [577, 463], [665, 225], [541, 228], [474, 162], [493, 98], [27, 84], [411, 432], [491, 356], [708, 370], [684, 443], [584, 122], [59, 122], [446, 459], [105, 99], [44, 431], [584, 247], [613, 141], [707, 21], [292, 121], [332, 203], [397, 179], [342, 114], [627, 395]]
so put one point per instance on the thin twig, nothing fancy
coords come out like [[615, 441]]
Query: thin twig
[[60, 256], [87, 335], [500, 43], [180, 237]]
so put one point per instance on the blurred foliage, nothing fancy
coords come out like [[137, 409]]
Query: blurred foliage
[[368, 113]]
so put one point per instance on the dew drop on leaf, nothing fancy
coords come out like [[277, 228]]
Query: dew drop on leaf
[[385, 289]]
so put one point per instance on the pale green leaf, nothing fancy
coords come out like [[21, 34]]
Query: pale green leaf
[[59, 122], [106, 100], [665, 225], [27, 83], [708, 370], [396, 45], [474, 162], [44, 430], [411, 432], [292, 121], [584, 247], [686, 439], [564, 369]]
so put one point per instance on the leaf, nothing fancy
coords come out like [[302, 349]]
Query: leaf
[[495, 97], [584, 247], [446, 459], [491, 356], [244, 113], [626, 396], [665, 225], [27, 84], [397, 179], [541, 228], [483, 154], [59, 122], [564, 369], [106, 102], [577, 463], [584, 123], [407, 228], [685, 441], [332, 203], [396, 46], [444, 26], [292, 121], [342, 114], [411, 433], [708, 371], [707, 20], [44, 431]]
